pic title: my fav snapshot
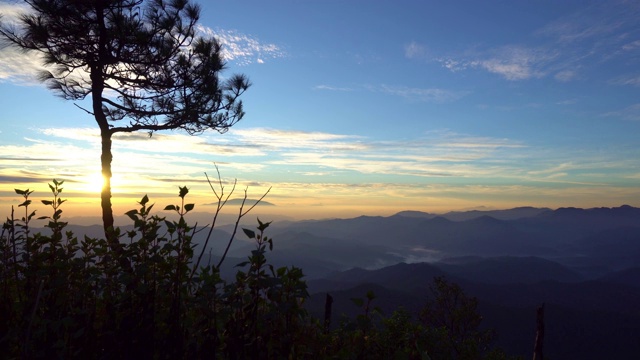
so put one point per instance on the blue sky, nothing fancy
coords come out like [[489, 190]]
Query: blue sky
[[372, 107]]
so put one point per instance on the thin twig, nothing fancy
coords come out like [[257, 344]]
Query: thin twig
[[221, 204], [240, 215]]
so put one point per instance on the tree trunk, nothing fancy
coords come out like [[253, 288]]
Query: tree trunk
[[97, 87], [105, 196], [327, 312]]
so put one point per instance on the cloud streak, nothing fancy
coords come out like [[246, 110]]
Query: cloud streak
[[511, 62], [427, 95], [441, 165], [242, 48], [314, 154]]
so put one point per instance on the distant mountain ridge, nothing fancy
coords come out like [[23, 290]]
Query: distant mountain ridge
[[575, 237], [507, 214]]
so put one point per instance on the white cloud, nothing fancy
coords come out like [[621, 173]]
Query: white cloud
[[161, 143], [440, 163], [634, 45], [631, 113], [565, 75], [11, 11], [509, 71], [419, 94], [414, 50], [510, 62], [633, 80], [273, 139], [243, 48], [15, 65], [332, 88], [518, 63], [19, 67], [594, 21]]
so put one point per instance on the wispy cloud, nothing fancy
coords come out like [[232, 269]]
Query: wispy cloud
[[431, 95], [434, 95], [415, 50], [510, 62], [594, 21], [633, 80], [274, 139], [332, 88], [442, 165], [16, 66], [565, 75], [434, 154], [243, 48], [631, 113]]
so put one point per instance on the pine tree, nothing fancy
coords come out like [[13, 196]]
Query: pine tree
[[141, 62]]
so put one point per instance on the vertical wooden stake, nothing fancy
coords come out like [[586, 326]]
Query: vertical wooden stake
[[537, 349], [327, 312]]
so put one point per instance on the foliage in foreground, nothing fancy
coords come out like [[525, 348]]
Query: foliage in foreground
[[67, 297]]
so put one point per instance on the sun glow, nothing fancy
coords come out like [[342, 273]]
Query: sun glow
[[93, 183]]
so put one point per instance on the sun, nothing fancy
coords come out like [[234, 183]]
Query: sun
[[94, 183]]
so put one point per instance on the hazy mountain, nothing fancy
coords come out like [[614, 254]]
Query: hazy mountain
[[590, 241], [630, 276], [319, 256], [508, 270], [509, 214]]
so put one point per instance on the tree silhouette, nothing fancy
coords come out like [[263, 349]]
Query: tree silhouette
[[141, 63]]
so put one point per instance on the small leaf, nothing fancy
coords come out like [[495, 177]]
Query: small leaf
[[188, 207], [371, 295], [144, 201], [183, 191], [281, 271], [132, 214], [47, 202], [170, 207], [249, 233], [21, 192], [357, 301], [263, 226]]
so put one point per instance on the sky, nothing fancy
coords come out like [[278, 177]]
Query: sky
[[369, 108]]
